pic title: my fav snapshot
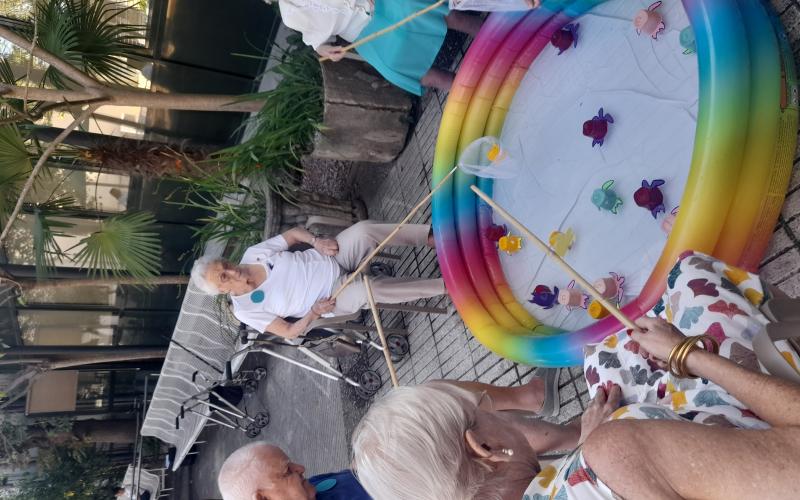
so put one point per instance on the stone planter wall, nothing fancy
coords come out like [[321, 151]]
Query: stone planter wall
[[283, 215], [366, 119]]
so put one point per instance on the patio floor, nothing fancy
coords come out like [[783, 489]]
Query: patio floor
[[441, 346]]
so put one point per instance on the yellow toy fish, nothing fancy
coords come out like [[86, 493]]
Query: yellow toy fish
[[510, 243], [562, 242], [597, 311]]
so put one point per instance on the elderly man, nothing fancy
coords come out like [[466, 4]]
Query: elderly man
[[259, 471], [271, 283]]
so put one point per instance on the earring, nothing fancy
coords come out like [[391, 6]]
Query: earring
[[507, 451]]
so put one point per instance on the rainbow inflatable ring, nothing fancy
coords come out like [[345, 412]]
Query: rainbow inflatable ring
[[744, 146]]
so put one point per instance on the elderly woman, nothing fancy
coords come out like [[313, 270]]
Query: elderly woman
[[706, 426], [271, 283], [403, 56]]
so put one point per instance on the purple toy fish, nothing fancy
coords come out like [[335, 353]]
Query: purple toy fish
[[566, 36], [495, 232], [543, 296], [597, 127], [650, 197]]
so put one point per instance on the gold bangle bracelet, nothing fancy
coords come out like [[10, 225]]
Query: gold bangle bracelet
[[688, 346], [680, 353], [676, 361]]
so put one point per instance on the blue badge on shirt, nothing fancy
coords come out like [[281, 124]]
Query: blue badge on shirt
[[257, 296], [325, 485]]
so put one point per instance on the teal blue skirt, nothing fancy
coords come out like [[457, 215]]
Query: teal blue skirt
[[404, 55]]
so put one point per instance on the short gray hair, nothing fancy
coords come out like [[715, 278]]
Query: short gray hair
[[237, 476], [410, 446], [199, 271]]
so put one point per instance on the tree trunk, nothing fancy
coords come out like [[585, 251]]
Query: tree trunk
[[69, 283], [105, 431], [147, 158], [132, 97]]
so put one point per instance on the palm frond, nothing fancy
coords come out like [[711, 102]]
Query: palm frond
[[7, 73], [125, 245], [15, 164], [47, 251], [88, 34]]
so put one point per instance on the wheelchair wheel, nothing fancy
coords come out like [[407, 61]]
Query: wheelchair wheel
[[260, 373], [398, 345], [252, 431], [369, 383], [261, 419], [250, 386]]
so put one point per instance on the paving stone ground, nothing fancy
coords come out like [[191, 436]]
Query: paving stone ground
[[441, 346]]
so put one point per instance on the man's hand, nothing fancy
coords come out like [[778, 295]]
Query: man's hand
[[326, 246], [323, 306], [332, 52], [601, 407]]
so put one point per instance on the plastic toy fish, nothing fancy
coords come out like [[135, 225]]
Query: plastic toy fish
[[572, 298], [495, 232], [496, 153], [688, 41], [596, 310], [606, 198], [562, 242], [669, 221], [566, 36], [597, 127], [650, 197], [610, 288], [544, 297], [649, 21], [510, 243]]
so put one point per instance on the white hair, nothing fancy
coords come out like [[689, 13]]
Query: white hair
[[411, 446], [199, 271], [237, 476]]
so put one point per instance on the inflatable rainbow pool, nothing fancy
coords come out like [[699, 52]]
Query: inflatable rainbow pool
[[744, 147]]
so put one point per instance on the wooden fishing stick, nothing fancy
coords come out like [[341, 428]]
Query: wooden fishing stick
[[386, 240], [376, 315], [388, 29], [614, 310]]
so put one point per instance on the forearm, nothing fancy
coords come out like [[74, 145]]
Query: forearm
[[300, 326], [298, 235], [773, 399], [287, 330], [545, 437]]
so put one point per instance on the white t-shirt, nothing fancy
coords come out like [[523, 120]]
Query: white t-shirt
[[318, 20], [295, 281]]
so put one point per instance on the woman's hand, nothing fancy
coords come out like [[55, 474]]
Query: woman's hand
[[656, 338], [326, 246], [332, 52], [601, 407], [323, 306]]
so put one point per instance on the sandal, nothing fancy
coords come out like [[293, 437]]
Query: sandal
[[552, 399], [769, 356]]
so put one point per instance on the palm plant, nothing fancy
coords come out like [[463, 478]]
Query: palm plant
[[283, 131], [87, 34], [125, 245]]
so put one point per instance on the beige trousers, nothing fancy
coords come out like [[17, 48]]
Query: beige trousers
[[355, 243]]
